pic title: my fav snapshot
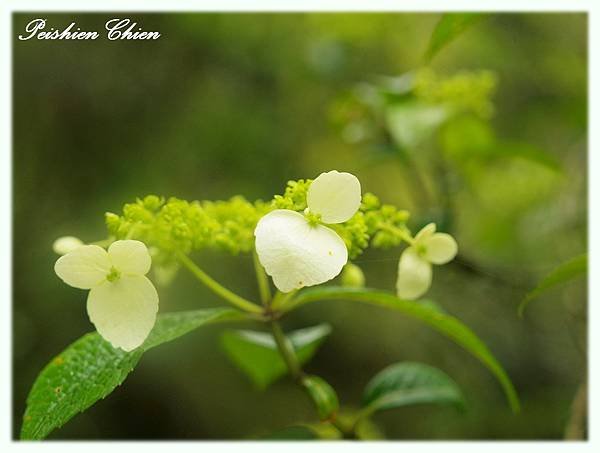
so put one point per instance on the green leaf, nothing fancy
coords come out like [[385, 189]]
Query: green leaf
[[450, 26], [90, 369], [567, 271], [410, 123], [409, 383], [443, 323], [323, 396], [256, 354]]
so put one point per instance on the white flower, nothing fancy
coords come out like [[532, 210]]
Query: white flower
[[295, 249], [414, 268], [66, 244], [122, 302]]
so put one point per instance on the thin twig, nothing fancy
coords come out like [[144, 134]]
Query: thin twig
[[286, 349], [262, 280], [217, 288]]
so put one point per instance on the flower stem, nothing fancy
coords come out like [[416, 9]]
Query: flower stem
[[398, 231], [287, 351], [281, 299], [288, 354], [263, 281], [217, 288]]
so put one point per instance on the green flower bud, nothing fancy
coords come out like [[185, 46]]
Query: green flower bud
[[153, 202], [113, 222], [370, 202], [353, 276], [182, 226], [294, 197], [136, 212]]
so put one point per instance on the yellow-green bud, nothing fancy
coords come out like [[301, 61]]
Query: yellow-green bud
[[113, 221], [153, 202], [352, 276]]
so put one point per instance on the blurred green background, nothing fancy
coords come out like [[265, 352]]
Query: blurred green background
[[226, 104]]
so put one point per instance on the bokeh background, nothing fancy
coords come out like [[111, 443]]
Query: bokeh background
[[226, 104]]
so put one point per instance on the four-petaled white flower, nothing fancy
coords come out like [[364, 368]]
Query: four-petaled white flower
[[295, 249], [414, 268], [122, 302]]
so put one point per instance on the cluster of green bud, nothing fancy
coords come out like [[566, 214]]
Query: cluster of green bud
[[294, 197], [465, 91], [176, 225], [387, 224], [180, 226], [358, 114], [374, 223]]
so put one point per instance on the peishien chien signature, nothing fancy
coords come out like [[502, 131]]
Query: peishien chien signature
[[116, 29]]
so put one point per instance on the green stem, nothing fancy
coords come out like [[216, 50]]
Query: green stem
[[347, 432], [363, 414], [288, 354], [287, 351], [217, 288], [134, 229], [398, 231], [262, 280], [281, 299]]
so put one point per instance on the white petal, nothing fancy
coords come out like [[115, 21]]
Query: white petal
[[440, 248], [66, 244], [124, 311], [84, 267], [334, 195], [296, 254], [130, 257], [425, 233], [414, 275]]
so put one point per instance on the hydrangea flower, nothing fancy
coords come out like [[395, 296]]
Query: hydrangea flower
[[298, 250], [414, 268], [66, 244], [122, 302]]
